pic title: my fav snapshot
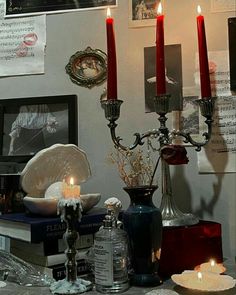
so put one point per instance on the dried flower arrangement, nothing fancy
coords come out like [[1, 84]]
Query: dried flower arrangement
[[138, 167], [134, 168]]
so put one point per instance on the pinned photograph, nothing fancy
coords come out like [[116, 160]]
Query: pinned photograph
[[143, 12]]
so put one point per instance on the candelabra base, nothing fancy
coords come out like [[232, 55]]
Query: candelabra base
[[182, 219], [64, 287]]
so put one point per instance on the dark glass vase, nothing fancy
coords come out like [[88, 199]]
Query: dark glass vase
[[143, 224]]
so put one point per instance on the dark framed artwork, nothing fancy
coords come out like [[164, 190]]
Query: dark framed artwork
[[232, 50], [30, 124], [88, 68], [174, 82], [30, 7]]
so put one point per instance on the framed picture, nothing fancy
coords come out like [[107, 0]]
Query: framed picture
[[88, 68], [31, 7], [174, 82], [28, 125], [143, 12]]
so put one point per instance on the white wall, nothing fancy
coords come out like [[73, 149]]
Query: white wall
[[205, 195]]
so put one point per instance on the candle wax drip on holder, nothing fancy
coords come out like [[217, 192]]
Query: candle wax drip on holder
[[70, 210]]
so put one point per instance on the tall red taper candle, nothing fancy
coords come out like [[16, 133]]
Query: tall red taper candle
[[203, 58], [111, 59], [160, 54]]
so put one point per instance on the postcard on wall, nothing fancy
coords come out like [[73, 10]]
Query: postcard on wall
[[143, 13], [223, 5], [16, 8], [22, 44], [173, 76]]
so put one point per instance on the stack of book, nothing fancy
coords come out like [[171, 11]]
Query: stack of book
[[39, 240]]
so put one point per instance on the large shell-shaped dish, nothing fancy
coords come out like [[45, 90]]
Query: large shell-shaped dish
[[48, 206], [54, 164]]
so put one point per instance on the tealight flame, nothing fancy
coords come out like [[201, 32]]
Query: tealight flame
[[108, 12], [71, 181], [212, 262], [199, 10], [199, 276], [159, 9]]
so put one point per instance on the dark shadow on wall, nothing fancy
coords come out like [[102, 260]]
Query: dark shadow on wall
[[217, 156], [183, 197]]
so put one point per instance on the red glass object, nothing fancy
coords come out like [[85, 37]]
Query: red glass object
[[185, 247], [203, 58], [111, 60]]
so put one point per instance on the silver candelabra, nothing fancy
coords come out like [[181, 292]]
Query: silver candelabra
[[171, 215]]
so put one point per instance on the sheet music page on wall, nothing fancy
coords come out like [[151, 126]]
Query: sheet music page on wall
[[22, 44], [222, 5], [219, 155]]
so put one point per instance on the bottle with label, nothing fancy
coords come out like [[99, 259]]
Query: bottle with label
[[111, 257]]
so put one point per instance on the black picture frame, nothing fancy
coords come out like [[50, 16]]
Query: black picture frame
[[31, 7], [62, 108], [232, 50]]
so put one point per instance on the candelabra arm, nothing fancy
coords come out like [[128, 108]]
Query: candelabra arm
[[138, 137], [207, 108], [189, 139], [112, 113]]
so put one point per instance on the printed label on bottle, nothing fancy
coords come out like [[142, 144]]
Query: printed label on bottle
[[103, 263]]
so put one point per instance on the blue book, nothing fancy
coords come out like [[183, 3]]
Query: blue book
[[35, 229]]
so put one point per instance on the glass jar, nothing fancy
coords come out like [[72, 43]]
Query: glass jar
[[111, 257]]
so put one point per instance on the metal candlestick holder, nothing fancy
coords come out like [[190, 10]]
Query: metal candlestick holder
[[70, 210], [171, 215]]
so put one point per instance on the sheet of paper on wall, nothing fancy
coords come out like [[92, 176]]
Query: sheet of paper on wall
[[22, 44], [222, 5], [219, 155]]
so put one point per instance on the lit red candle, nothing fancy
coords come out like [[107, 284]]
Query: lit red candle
[[111, 59], [160, 53], [203, 58]]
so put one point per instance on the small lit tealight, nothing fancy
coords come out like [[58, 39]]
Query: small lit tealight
[[199, 276], [211, 266], [212, 262], [71, 181]]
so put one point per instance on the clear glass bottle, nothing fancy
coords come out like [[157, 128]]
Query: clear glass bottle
[[111, 257]]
